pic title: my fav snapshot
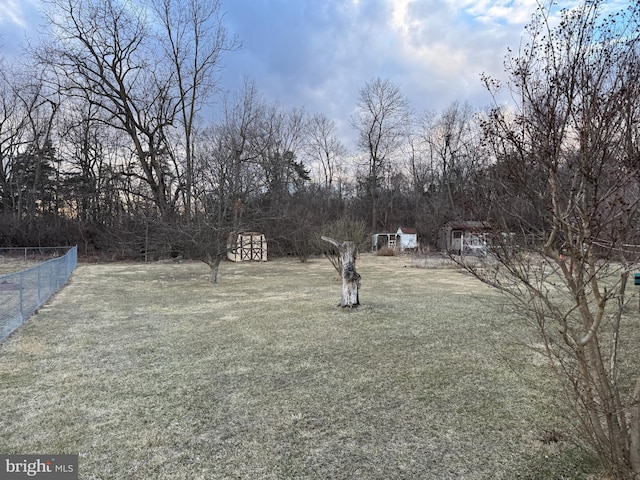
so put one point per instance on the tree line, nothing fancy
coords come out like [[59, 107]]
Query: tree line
[[114, 135]]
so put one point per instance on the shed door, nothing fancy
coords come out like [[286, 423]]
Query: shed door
[[456, 240]]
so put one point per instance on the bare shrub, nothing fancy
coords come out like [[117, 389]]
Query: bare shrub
[[386, 252]]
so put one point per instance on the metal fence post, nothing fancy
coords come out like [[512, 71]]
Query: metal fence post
[[21, 297]]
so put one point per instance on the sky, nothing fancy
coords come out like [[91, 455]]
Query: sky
[[318, 54]]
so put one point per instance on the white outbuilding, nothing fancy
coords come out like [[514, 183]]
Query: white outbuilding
[[406, 238]]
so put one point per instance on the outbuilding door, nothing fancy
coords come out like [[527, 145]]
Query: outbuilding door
[[456, 241]]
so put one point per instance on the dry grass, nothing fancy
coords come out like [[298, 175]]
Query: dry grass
[[13, 260], [149, 372], [10, 265]]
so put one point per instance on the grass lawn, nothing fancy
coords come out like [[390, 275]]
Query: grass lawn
[[149, 372]]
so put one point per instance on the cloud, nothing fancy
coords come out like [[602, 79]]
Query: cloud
[[16, 12], [19, 20], [318, 54], [321, 50], [515, 12], [442, 47]]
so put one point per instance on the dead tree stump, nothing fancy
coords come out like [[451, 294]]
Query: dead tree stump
[[350, 278]]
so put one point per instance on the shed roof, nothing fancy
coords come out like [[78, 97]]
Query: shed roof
[[408, 230], [468, 225]]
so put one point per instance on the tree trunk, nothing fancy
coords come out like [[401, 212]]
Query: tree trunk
[[350, 278], [214, 265], [213, 273], [634, 431]]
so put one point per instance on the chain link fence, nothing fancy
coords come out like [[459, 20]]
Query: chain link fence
[[23, 292]]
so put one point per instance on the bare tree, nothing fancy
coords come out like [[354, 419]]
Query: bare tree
[[568, 157], [452, 139], [277, 142], [109, 52], [27, 128], [194, 39], [381, 121], [242, 116], [13, 124], [226, 176], [215, 193], [324, 146], [422, 174], [102, 52], [91, 170]]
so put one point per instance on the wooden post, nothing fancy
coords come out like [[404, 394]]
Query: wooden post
[[350, 278]]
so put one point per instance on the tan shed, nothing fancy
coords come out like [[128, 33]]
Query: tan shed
[[248, 246]]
